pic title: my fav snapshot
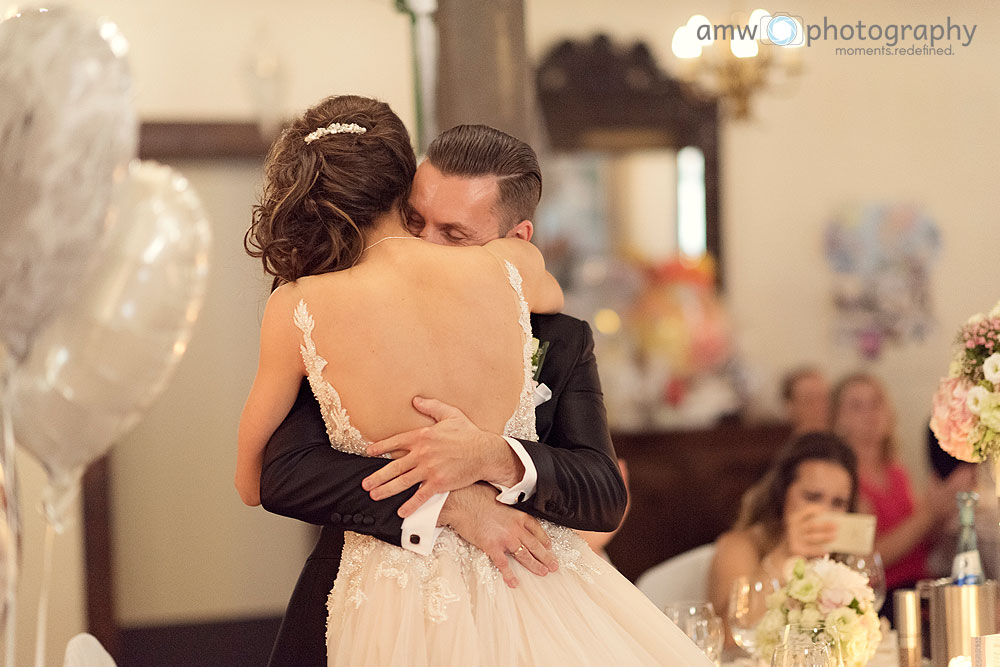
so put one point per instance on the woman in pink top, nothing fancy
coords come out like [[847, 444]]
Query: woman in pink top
[[863, 416]]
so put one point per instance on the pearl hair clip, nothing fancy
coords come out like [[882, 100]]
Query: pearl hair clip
[[335, 128]]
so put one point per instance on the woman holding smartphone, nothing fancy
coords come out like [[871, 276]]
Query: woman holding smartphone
[[781, 515]]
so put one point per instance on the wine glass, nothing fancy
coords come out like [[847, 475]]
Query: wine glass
[[800, 652], [815, 634], [870, 566], [747, 605], [699, 622]]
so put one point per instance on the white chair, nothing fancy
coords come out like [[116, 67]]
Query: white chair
[[683, 578], [84, 650]]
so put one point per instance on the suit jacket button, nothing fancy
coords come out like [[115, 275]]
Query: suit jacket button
[[369, 521], [358, 518], [335, 517], [550, 506], [414, 539]]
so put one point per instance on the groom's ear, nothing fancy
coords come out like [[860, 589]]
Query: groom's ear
[[522, 230]]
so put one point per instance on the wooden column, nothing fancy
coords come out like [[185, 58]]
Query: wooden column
[[483, 71]]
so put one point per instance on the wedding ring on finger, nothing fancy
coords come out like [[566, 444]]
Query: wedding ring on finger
[[519, 550]]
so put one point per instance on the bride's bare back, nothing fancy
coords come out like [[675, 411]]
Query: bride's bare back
[[418, 319], [411, 319]]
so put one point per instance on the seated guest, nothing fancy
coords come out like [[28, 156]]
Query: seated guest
[[806, 395], [863, 416], [780, 515]]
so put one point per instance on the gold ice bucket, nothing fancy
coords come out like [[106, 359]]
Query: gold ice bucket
[[959, 613]]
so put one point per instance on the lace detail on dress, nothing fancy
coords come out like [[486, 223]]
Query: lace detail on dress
[[343, 436], [409, 568], [522, 423]]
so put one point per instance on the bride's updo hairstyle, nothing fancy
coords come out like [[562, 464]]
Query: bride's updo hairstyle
[[321, 189]]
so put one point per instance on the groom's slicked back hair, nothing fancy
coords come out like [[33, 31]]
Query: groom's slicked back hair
[[481, 150]]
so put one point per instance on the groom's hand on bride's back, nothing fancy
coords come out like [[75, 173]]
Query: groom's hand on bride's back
[[450, 455], [500, 531]]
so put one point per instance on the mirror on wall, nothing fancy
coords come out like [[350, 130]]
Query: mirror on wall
[[629, 224], [632, 163]]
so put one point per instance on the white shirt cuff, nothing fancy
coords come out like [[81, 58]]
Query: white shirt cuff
[[420, 529], [526, 487]]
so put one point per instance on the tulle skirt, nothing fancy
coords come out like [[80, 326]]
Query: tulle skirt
[[392, 607]]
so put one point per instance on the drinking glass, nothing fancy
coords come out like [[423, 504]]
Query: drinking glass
[[699, 622], [802, 653], [747, 605], [796, 633], [870, 566]]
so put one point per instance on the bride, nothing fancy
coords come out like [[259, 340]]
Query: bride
[[372, 318]]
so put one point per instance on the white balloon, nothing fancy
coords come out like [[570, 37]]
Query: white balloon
[[110, 353], [66, 125]]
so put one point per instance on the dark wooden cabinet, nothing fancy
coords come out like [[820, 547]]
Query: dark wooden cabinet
[[685, 487]]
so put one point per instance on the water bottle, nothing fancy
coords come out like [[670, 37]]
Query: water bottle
[[966, 568]]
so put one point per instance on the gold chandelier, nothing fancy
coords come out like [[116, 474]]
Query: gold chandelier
[[732, 61]]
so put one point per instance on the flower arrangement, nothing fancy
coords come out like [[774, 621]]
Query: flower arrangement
[[966, 419], [823, 594]]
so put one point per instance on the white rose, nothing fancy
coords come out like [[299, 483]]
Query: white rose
[[770, 625], [805, 589], [996, 310], [810, 617], [991, 368], [845, 620], [989, 412], [794, 616], [976, 319], [975, 399], [777, 598], [837, 576]]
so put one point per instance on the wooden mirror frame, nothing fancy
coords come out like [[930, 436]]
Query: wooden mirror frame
[[597, 96]]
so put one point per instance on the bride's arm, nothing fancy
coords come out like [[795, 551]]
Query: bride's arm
[[279, 372], [541, 290]]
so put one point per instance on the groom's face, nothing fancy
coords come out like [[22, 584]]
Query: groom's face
[[457, 210]]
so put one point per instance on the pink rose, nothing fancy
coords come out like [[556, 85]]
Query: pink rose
[[832, 598], [952, 422]]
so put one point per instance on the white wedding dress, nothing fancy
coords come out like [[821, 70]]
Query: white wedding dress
[[393, 607]]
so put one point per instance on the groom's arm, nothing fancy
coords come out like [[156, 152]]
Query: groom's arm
[[306, 479], [578, 483], [571, 479]]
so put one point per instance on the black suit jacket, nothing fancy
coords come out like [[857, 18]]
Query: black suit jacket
[[579, 484]]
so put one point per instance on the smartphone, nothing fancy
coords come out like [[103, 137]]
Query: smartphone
[[855, 533]]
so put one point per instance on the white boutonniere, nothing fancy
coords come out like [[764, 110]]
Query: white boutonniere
[[538, 350]]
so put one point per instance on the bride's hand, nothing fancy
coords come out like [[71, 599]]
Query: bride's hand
[[450, 455], [499, 531]]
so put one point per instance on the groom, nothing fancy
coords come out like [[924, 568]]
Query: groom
[[477, 184]]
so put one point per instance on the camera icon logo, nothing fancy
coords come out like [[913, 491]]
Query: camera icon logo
[[782, 29]]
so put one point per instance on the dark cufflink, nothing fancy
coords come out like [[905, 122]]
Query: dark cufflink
[[520, 497], [335, 517], [414, 539]]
